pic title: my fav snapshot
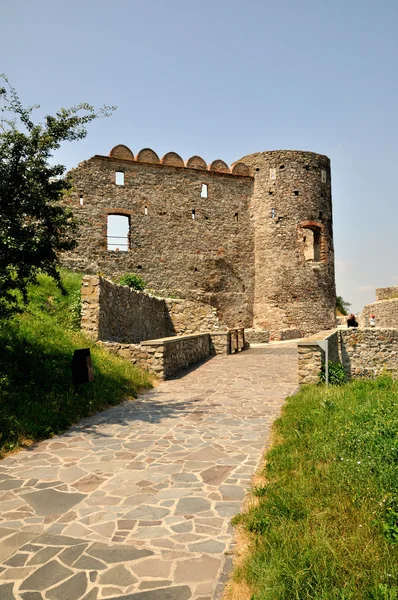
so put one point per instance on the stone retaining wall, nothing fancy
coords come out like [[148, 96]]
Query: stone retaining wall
[[117, 313]]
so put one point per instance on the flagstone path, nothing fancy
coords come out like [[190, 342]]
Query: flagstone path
[[136, 502]]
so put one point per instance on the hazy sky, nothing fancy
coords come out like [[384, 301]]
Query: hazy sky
[[225, 78]]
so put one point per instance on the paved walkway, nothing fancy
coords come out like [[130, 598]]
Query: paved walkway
[[136, 502]]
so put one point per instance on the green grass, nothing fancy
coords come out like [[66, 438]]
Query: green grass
[[324, 523], [37, 398]]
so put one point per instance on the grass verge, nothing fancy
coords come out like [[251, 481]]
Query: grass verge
[[37, 398], [323, 524]]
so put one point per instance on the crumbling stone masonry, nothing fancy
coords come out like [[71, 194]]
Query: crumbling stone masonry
[[385, 309], [254, 241]]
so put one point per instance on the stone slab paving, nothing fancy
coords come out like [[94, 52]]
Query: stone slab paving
[[136, 502]]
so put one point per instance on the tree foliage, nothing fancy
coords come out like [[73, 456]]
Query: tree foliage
[[34, 225], [342, 306]]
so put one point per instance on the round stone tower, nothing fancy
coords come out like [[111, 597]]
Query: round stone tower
[[294, 258]]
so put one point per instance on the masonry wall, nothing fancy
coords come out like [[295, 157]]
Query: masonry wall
[[117, 313], [362, 352], [385, 311], [291, 201], [369, 352], [207, 259], [387, 293]]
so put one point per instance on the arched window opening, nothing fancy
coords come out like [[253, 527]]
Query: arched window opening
[[312, 244], [118, 229]]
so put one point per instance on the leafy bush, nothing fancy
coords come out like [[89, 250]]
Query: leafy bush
[[337, 374], [133, 281]]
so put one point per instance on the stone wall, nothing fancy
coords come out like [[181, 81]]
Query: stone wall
[[168, 356], [362, 352], [387, 293], [385, 311], [369, 352], [117, 313], [208, 258]]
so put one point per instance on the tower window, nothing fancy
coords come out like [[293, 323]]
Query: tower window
[[118, 229], [81, 201], [323, 175], [272, 173], [296, 192], [145, 210], [193, 214], [312, 244], [273, 213], [236, 216], [119, 178], [205, 189]]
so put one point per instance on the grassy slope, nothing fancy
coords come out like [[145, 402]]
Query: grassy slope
[[324, 525], [36, 393]]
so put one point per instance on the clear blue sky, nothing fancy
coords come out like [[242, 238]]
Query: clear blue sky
[[224, 78]]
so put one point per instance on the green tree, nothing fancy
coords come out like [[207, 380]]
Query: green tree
[[342, 306], [34, 226]]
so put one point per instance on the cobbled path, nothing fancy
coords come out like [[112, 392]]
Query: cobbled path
[[136, 502]]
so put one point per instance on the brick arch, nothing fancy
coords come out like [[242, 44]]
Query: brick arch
[[121, 151], [219, 166], [148, 155], [172, 158], [196, 162], [239, 168]]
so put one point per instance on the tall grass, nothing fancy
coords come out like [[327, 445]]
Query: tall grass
[[324, 522], [37, 398]]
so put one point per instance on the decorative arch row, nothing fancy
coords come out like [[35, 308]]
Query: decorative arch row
[[146, 155]]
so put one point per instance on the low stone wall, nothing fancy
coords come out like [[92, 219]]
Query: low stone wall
[[167, 356], [362, 352], [257, 336], [311, 356], [387, 293], [289, 334], [385, 311], [117, 313], [369, 352]]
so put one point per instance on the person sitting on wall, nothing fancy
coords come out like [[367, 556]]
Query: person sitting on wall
[[372, 321], [351, 321]]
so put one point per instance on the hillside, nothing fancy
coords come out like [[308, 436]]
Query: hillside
[[37, 398]]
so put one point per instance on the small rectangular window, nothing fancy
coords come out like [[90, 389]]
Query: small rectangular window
[[119, 178], [81, 200], [236, 217], [193, 213], [323, 175], [145, 210], [204, 192]]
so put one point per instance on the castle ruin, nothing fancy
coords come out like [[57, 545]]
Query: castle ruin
[[255, 241]]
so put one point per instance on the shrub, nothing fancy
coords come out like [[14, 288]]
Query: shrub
[[337, 374], [133, 281]]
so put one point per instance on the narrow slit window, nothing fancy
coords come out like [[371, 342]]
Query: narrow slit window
[[118, 229], [272, 213], [272, 173], [119, 178], [193, 213], [145, 210], [205, 190], [81, 201], [323, 175], [236, 217]]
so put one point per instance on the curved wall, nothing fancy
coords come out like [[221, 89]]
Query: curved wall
[[293, 241]]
